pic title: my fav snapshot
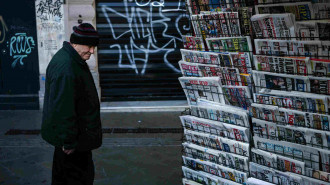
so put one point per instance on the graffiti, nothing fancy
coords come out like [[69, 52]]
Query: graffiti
[[20, 47], [141, 24], [48, 9], [3, 30]]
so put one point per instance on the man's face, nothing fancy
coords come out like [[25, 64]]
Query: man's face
[[84, 51]]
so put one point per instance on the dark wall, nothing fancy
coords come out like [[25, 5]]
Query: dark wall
[[19, 69], [139, 49]]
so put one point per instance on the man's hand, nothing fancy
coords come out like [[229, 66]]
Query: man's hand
[[68, 152]]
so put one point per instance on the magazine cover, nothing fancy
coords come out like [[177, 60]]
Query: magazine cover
[[208, 88]]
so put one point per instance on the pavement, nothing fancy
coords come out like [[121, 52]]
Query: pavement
[[139, 148]]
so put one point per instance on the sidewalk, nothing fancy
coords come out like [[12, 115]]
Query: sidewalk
[[124, 158]]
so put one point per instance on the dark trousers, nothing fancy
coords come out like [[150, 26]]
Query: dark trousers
[[73, 169]]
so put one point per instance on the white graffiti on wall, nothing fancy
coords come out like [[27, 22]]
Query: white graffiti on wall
[[141, 25]]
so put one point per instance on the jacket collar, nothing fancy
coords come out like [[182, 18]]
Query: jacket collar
[[67, 46]]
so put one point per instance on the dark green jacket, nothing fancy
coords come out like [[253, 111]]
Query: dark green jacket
[[71, 113]]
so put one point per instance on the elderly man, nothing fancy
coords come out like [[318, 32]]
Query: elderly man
[[71, 115]]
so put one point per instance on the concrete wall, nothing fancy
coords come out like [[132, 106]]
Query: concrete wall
[[55, 26]]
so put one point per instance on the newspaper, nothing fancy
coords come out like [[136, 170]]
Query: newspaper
[[307, 154], [202, 57], [193, 43], [254, 181], [274, 26], [313, 30], [189, 182], [233, 44], [301, 10], [238, 96], [313, 49], [223, 113], [208, 88], [199, 176], [230, 160], [274, 176], [319, 67], [285, 65], [282, 82], [294, 100], [322, 10], [216, 128], [217, 143]]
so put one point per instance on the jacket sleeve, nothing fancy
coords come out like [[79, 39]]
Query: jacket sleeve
[[63, 89]]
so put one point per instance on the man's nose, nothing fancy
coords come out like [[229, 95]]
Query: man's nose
[[92, 49]]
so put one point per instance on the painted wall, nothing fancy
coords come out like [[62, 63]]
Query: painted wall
[[51, 30], [19, 67]]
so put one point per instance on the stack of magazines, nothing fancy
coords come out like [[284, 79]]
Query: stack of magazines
[[292, 86]]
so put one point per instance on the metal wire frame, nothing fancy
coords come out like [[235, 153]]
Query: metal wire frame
[[218, 132], [296, 136], [280, 119], [275, 178], [214, 171], [217, 116], [197, 154], [308, 158], [232, 96], [214, 144], [296, 105], [259, 159], [284, 51], [295, 68]]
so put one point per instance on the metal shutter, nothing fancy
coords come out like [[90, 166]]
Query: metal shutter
[[139, 49]]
